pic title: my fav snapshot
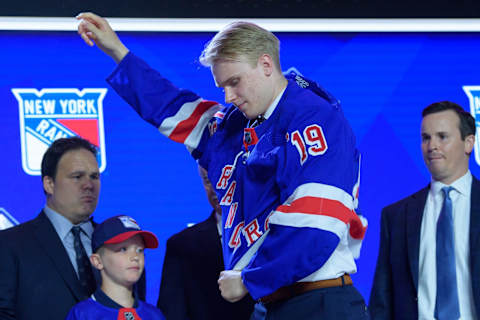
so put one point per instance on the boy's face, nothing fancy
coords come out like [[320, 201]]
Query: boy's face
[[122, 263]]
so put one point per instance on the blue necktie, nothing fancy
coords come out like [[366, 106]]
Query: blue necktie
[[85, 272], [446, 305]]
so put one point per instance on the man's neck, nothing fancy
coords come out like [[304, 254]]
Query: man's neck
[[451, 180], [279, 87], [58, 211]]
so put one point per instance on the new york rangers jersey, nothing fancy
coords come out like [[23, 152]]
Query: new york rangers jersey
[[288, 188], [91, 309]]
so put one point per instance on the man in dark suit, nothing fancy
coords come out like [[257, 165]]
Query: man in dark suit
[[42, 274], [429, 254], [193, 262]]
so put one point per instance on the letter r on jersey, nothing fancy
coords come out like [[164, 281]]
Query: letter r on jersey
[[226, 175], [252, 232]]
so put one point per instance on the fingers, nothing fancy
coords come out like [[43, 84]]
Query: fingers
[[88, 16], [86, 39], [231, 286], [94, 29], [87, 32], [99, 22], [220, 279], [90, 26]]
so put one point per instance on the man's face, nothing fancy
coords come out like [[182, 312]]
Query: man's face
[[74, 191], [248, 88], [122, 263], [444, 152]]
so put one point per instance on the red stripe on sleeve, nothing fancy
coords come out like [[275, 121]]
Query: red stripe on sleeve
[[327, 207], [185, 127]]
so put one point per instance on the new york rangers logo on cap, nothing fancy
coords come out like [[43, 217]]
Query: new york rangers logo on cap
[[50, 114], [473, 93]]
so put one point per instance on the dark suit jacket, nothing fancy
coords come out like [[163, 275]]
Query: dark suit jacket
[[394, 291], [37, 279], [189, 289]]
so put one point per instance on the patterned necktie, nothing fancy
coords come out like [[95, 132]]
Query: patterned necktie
[[446, 305], [85, 273]]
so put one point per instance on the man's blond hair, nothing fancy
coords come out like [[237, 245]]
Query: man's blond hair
[[241, 40]]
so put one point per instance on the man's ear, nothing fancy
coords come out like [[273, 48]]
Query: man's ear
[[266, 63], [96, 261], [48, 184], [469, 143]]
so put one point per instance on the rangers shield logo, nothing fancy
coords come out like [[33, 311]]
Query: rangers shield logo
[[50, 114], [6, 220], [473, 93]]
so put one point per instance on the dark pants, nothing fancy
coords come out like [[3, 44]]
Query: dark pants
[[328, 303]]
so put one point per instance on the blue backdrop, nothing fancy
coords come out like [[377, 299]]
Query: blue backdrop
[[383, 80]]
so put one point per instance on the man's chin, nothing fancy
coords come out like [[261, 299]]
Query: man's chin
[[250, 116], [435, 168], [87, 211], [438, 175]]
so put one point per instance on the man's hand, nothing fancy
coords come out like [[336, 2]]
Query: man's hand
[[231, 285], [95, 29]]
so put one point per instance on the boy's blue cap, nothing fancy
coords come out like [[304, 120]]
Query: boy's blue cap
[[118, 229]]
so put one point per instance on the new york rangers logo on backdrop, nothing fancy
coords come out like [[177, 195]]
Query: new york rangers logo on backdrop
[[6, 220], [50, 114], [473, 93]]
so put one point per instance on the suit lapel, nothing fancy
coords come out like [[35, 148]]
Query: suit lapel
[[474, 238], [47, 237], [414, 222], [474, 217]]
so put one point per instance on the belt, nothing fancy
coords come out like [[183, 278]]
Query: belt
[[298, 288]]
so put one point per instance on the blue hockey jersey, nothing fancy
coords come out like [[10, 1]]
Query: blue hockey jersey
[[288, 187], [101, 307]]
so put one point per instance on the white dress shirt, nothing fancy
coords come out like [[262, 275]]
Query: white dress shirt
[[427, 275]]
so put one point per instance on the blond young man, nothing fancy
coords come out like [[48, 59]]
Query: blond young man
[[283, 162]]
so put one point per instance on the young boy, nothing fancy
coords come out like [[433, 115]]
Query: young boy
[[117, 246]]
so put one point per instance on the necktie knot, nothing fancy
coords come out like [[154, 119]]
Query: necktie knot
[[76, 231], [446, 191]]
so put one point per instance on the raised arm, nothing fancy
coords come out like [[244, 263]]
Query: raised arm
[[179, 114], [95, 29]]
